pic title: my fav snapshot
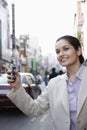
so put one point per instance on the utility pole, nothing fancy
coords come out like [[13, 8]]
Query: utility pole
[[13, 30], [13, 26], [13, 64]]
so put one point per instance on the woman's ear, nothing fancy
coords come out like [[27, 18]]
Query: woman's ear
[[79, 52]]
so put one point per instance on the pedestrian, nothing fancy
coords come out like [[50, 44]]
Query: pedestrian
[[65, 95], [46, 78], [53, 73], [39, 78], [60, 72]]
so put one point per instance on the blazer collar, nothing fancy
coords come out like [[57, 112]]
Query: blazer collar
[[83, 91], [64, 95]]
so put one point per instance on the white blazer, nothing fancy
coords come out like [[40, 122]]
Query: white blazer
[[55, 97]]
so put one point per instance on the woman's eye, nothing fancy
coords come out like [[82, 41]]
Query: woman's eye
[[63, 49], [66, 48], [57, 51]]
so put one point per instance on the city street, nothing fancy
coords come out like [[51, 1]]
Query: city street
[[16, 120]]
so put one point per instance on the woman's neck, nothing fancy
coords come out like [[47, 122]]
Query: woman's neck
[[71, 72]]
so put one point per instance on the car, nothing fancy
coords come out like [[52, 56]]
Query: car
[[27, 81]]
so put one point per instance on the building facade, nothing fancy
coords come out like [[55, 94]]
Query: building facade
[[81, 24], [5, 44]]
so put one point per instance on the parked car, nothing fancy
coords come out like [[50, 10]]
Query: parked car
[[27, 81]]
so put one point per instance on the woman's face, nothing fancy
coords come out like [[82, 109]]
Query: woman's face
[[66, 54]]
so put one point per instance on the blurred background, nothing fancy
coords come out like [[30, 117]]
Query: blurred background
[[29, 30]]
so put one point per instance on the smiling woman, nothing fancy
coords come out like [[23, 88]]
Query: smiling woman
[[68, 48], [63, 94]]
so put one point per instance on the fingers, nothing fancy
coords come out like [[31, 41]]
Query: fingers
[[12, 76], [14, 83]]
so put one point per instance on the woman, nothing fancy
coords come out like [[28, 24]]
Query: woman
[[65, 95]]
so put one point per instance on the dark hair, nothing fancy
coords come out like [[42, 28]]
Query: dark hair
[[53, 69], [74, 42]]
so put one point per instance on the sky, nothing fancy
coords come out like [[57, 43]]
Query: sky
[[44, 20]]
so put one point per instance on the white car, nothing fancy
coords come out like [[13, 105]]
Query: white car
[[27, 81]]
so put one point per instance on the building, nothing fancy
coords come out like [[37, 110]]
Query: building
[[5, 44], [85, 28], [81, 24]]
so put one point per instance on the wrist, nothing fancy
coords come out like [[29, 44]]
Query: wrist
[[16, 87]]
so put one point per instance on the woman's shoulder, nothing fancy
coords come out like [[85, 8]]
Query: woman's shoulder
[[56, 84], [57, 79]]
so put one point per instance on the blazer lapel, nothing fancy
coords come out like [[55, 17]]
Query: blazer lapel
[[64, 96], [83, 91]]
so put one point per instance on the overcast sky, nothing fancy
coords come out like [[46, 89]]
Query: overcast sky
[[45, 20]]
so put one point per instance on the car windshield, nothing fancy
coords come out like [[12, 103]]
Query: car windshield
[[27, 79]]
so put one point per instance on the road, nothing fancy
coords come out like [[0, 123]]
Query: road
[[16, 120]]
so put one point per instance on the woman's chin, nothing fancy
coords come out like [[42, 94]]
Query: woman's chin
[[63, 64]]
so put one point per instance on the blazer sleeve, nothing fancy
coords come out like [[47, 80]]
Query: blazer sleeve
[[26, 104]]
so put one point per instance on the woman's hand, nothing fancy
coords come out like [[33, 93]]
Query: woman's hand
[[14, 82]]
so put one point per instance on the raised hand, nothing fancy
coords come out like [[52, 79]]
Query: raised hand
[[13, 81]]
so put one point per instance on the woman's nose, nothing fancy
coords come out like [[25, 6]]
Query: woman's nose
[[61, 53]]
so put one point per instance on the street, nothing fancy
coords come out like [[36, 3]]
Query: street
[[15, 120]]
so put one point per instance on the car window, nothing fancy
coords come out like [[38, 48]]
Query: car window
[[27, 79], [23, 79]]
